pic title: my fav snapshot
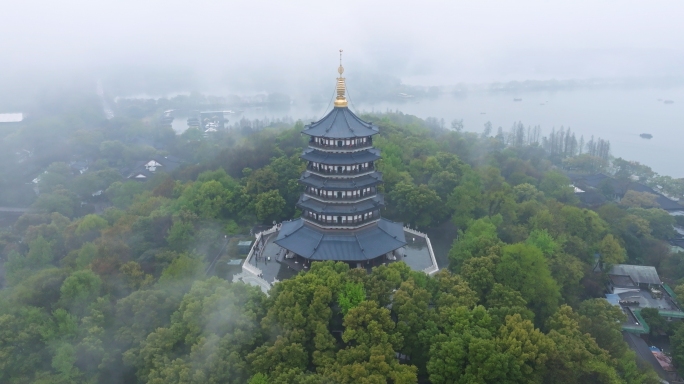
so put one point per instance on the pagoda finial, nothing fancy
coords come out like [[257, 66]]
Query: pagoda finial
[[341, 100]]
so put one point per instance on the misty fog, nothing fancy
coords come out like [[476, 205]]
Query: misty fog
[[490, 192], [156, 47]]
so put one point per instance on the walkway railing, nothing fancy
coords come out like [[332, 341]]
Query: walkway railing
[[246, 265], [332, 224], [434, 267], [366, 145]]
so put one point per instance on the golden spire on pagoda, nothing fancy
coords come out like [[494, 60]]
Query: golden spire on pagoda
[[341, 100]]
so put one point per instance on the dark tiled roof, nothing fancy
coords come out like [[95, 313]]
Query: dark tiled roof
[[640, 274], [364, 181], [168, 165], [364, 206], [340, 123], [667, 204], [341, 158], [620, 187], [591, 197], [362, 244], [677, 242]]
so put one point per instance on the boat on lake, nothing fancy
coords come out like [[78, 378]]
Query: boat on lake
[[646, 136], [517, 99], [668, 101]]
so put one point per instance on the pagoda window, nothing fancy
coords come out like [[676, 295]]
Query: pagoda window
[[339, 143], [339, 195]]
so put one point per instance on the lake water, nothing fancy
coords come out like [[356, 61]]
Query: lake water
[[617, 115]]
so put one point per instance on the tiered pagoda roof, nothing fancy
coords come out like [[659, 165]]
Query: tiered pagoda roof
[[363, 244], [340, 206], [340, 123], [316, 181]]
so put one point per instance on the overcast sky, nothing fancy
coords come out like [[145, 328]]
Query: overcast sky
[[421, 42]]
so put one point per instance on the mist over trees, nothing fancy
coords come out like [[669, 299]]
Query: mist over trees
[[118, 289]]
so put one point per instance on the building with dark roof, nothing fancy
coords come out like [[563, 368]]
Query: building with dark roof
[[602, 183], [340, 205], [145, 170]]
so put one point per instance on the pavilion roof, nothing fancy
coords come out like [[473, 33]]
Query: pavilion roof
[[362, 244], [340, 123]]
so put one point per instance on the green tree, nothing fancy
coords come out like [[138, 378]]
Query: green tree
[[577, 358], [351, 295], [634, 199], [213, 329], [465, 200], [656, 323], [416, 204], [90, 223], [443, 183], [259, 378], [480, 239], [523, 268], [79, 290], [269, 206], [602, 320], [180, 235], [183, 267], [22, 350], [660, 222], [610, 250], [39, 256], [59, 200], [543, 241], [211, 197], [415, 322], [557, 185], [370, 354], [677, 342], [121, 194]]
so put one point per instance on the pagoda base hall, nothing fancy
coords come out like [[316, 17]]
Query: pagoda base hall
[[341, 208], [366, 247]]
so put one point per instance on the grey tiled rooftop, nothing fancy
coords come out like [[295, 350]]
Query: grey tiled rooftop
[[417, 256]]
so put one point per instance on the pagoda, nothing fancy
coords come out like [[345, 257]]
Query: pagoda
[[340, 205]]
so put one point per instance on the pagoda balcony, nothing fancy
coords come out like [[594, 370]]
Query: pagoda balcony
[[336, 198], [333, 200], [340, 170], [347, 224], [340, 146]]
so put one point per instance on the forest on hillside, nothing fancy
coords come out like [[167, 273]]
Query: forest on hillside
[[115, 289]]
